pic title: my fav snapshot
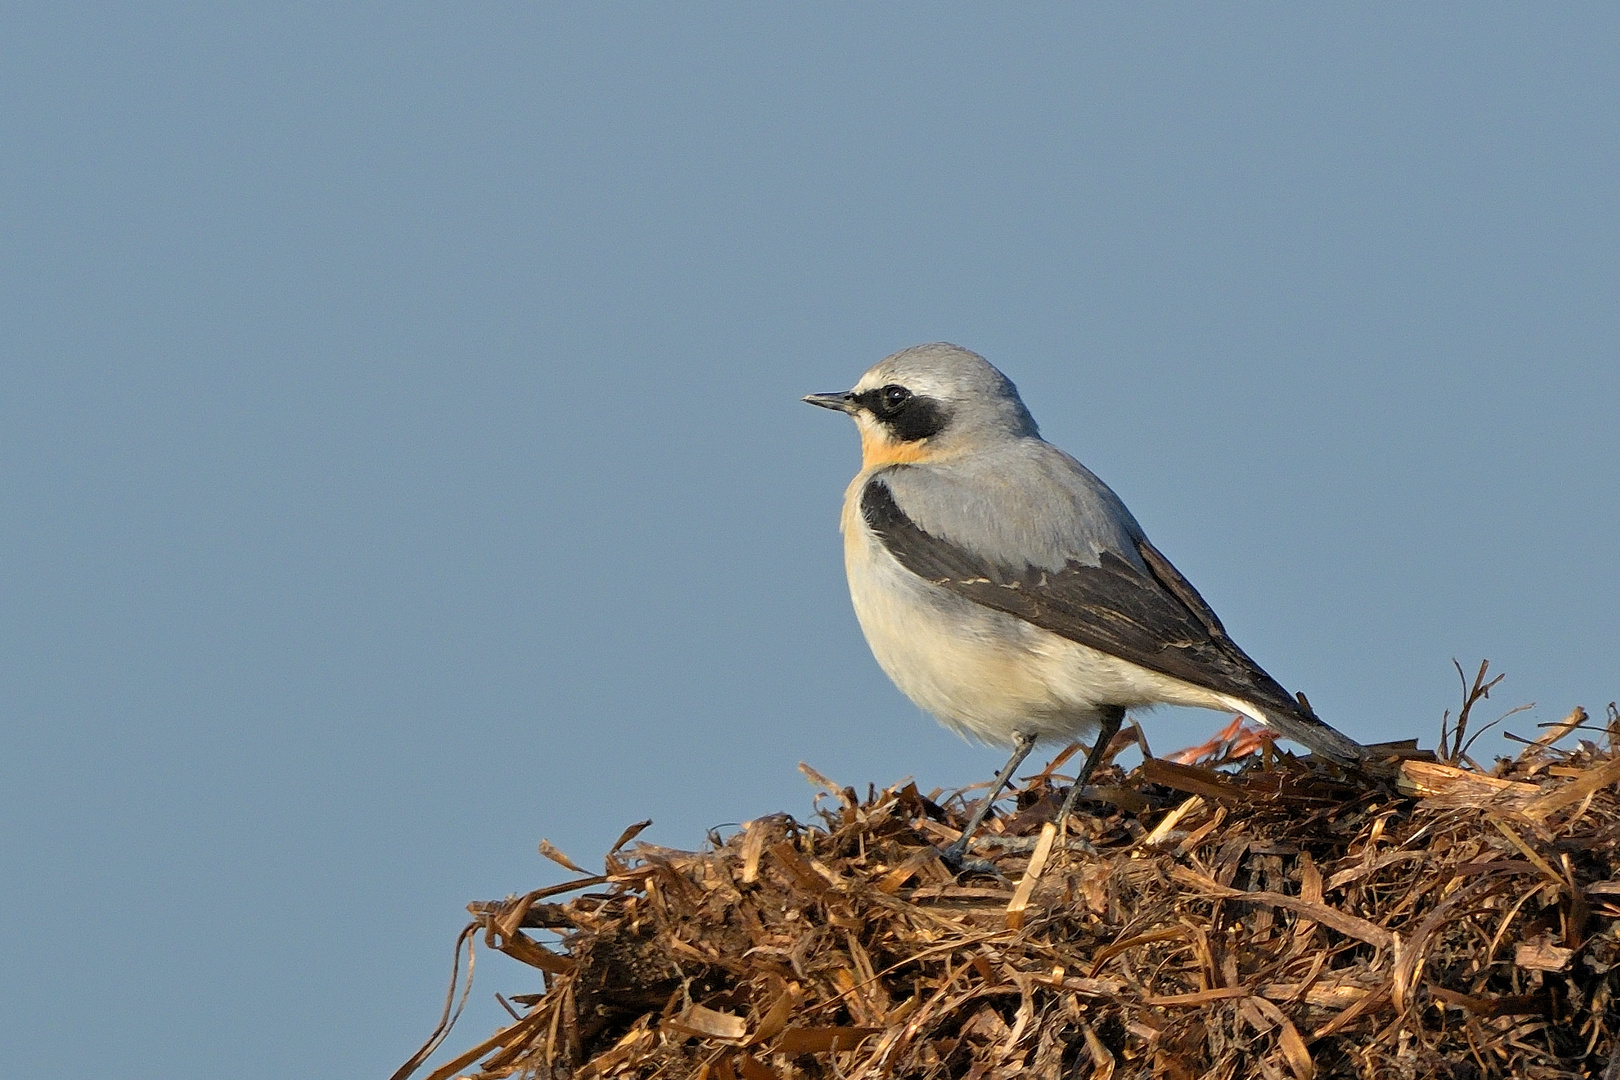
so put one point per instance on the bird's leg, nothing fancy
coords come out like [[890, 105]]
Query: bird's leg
[[1112, 718], [955, 856]]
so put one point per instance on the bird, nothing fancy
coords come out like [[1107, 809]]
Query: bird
[[1008, 591]]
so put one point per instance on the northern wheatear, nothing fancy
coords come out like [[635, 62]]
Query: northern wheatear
[[1008, 591]]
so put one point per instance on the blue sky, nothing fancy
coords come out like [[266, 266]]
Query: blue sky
[[401, 457]]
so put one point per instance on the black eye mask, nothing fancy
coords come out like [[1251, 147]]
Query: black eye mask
[[908, 416]]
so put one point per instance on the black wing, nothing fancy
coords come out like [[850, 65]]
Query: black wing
[[1156, 620]]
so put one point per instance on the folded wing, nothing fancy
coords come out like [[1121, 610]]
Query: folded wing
[[1152, 617]]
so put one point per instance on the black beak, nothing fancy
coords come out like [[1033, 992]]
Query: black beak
[[844, 403]]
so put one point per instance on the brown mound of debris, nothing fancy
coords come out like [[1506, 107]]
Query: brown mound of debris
[[1266, 918]]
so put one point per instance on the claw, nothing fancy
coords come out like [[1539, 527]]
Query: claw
[[956, 860]]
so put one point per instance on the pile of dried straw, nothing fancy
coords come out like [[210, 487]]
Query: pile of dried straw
[[1272, 918]]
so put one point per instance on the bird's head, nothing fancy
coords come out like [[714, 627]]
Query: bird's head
[[930, 402]]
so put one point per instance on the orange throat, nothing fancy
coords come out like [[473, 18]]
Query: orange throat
[[877, 450]]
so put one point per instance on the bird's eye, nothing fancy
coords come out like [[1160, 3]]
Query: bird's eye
[[895, 396]]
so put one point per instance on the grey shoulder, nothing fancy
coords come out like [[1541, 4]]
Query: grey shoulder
[[1025, 503]]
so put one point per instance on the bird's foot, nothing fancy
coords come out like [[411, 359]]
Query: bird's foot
[[957, 862], [1023, 845]]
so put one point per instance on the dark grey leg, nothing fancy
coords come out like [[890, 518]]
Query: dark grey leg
[[955, 855], [1111, 720]]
